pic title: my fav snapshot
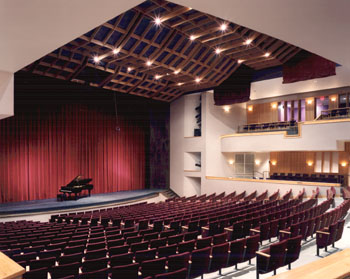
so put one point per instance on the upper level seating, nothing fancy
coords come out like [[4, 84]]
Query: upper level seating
[[107, 247], [325, 178], [290, 126], [335, 113]]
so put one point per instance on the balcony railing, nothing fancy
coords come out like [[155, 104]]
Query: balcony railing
[[335, 113], [290, 126]]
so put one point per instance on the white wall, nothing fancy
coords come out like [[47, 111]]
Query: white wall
[[177, 146], [6, 94], [216, 122], [314, 137], [275, 87]]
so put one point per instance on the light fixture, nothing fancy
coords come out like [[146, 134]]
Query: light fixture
[[176, 72], [274, 162], [180, 83], [192, 37], [248, 42], [198, 80], [218, 50], [157, 76], [148, 63], [158, 21], [226, 108], [115, 51], [333, 99], [223, 27], [239, 61], [231, 162], [129, 69], [310, 163], [344, 164], [97, 59], [257, 162], [267, 54], [250, 108], [309, 101], [274, 105]]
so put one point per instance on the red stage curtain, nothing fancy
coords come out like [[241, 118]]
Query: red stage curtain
[[307, 66], [41, 151]]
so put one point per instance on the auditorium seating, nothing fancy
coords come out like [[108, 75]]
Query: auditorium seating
[[112, 250], [290, 126], [324, 178]]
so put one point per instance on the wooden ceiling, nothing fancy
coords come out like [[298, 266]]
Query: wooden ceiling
[[132, 54]]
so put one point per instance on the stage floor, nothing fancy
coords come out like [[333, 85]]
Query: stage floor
[[95, 200]]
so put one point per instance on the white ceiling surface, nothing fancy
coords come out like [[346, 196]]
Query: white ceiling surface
[[319, 26], [30, 29]]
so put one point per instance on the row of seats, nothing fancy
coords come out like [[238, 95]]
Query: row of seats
[[325, 178], [266, 127], [140, 244]]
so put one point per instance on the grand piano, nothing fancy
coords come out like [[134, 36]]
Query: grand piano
[[76, 186]]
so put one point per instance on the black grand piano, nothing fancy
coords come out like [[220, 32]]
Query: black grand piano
[[76, 186]]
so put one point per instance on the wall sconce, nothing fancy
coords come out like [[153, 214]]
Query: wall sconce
[[333, 99], [309, 101], [310, 163], [226, 109], [257, 162], [274, 162], [344, 164], [250, 108], [231, 162], [274, 105]]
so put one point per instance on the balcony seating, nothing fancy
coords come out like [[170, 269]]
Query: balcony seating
[[289, 126], [329, 178]]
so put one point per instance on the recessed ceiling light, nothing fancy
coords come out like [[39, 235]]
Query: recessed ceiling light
[[248, 42], [115, 51], [180, 83], [192, 37], [198, 80], [223, 27], [157, 76], [176, 72], [129, 69], [239, 61], [267, 54], [97, 59], [218, 50], [157, 20], [148, 63]]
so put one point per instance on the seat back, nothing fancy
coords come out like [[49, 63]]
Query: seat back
[[200, 262], [129, 271], [219, 255], [293, 249], [278, 254], [340, 230], [122, 259], [252, 245], [152, 267], [178, 274], [179, 261]]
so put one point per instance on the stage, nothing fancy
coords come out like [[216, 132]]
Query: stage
[[36, 206]]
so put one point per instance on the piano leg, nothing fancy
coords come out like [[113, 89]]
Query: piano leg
[[76, 196], [89, 192]]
